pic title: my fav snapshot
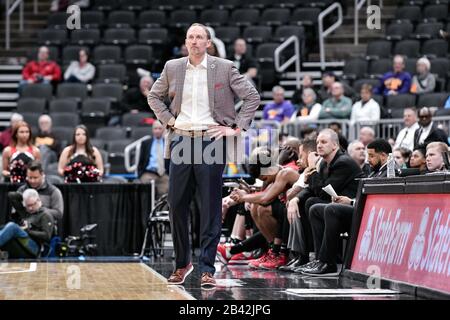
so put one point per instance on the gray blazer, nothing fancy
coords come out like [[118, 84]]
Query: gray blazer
[[224, 83]]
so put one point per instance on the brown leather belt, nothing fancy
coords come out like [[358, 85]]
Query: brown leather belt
[[191, 133]]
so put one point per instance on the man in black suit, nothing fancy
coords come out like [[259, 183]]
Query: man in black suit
[[151, 164], [428, 130], [377, 155], [337, 169]]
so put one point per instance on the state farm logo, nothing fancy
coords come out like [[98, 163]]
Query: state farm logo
[[367, 236], [419, 242]]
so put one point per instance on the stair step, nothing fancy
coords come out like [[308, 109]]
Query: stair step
[[9, 85], [10, 77], [10, 68], [8, 104], [9, 96]]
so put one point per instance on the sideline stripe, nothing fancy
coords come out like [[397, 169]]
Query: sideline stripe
[[176, 288], [32, 268]]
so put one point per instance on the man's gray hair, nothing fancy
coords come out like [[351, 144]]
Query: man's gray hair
[[351, 146], [30, 194], [277, 88], [309, 92], [331, 133], [16, 117]]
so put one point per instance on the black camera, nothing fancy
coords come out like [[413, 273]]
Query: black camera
[[81, 245]]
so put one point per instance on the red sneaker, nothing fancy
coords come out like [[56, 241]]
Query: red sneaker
[[242, 258], [223, 252], [256, 262], [274, 261]]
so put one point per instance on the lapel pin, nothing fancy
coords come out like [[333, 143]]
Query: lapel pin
[[213, 66]]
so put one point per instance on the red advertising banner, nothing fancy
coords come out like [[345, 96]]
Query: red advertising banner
[[407, 238]]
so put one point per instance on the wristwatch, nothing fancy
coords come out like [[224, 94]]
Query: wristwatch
[[352, 203]]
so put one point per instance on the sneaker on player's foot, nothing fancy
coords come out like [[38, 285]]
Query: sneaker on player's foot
[[242, 258], [223, 252], [274, 261], [256, 262]]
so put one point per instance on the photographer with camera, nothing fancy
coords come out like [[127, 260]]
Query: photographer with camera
[[35, 229], [51, 196]]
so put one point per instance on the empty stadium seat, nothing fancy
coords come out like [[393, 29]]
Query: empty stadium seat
[[113, 91], [355, 68], [134, 119], [31, 105], [60, 105], [400, 101], [244, 17], [64, 119], [379, 67], [228, 34], [57, 20], [305, 16], [111, 73], [427, 30], [284, 32], [72, 90], [111, 133], [92, 19], [408, 48], [52, 37], [182, 18], [432, 99], [153, 36], [121, 19], [139, 132], [64, 134], [151, 19], [399, 30], [138, 54], [106, 5], [85, 37], [435, 48], [134, 5], [257, 34], [32, 119], [438, 12], [122, 36], [411, 13], [214, 17], [37, 90], [378, 49], [275, 17], [107, 54]]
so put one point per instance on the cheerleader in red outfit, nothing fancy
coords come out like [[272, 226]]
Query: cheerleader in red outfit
[[19, 153]]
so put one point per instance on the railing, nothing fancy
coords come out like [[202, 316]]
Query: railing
[[358, 5], [135, 146], [323, 34], [8, 12], [384, 128], [294, 59]]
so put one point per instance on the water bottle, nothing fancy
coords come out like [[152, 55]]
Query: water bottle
[[391, 166]]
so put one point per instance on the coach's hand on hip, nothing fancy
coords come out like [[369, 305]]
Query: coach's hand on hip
[[218, 132]]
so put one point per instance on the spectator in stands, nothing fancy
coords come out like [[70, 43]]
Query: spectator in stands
[[81, 154], [405, 138], [81, 70], [328, 79], [46, 141], [396, 81], [423, 81], [297, 97], [309, 110], [338, 106], [217, 45], [51, 196], [378, 152], [337, 127], [41, 71], [135, 99], [366, 135], [401, 157], [151, 161], [418, 160], [279, 110], [428, 130], [36, 228], [435, 156], [5, 136], [19, 153], [243, 61], [367, 109], [357, 151]]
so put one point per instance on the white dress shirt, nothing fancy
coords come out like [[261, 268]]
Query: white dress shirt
[[425, 132], [369, 112], [405, 138], [195, 113]]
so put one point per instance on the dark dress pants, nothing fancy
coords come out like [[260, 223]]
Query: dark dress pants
[[189, 171]]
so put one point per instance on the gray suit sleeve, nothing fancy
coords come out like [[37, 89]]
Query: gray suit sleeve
[[57, 205], [157, 95], [248, 94]]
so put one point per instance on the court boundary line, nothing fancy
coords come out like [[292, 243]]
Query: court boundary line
[[162, 278]]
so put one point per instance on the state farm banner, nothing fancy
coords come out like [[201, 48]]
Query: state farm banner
[[407, 238]]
